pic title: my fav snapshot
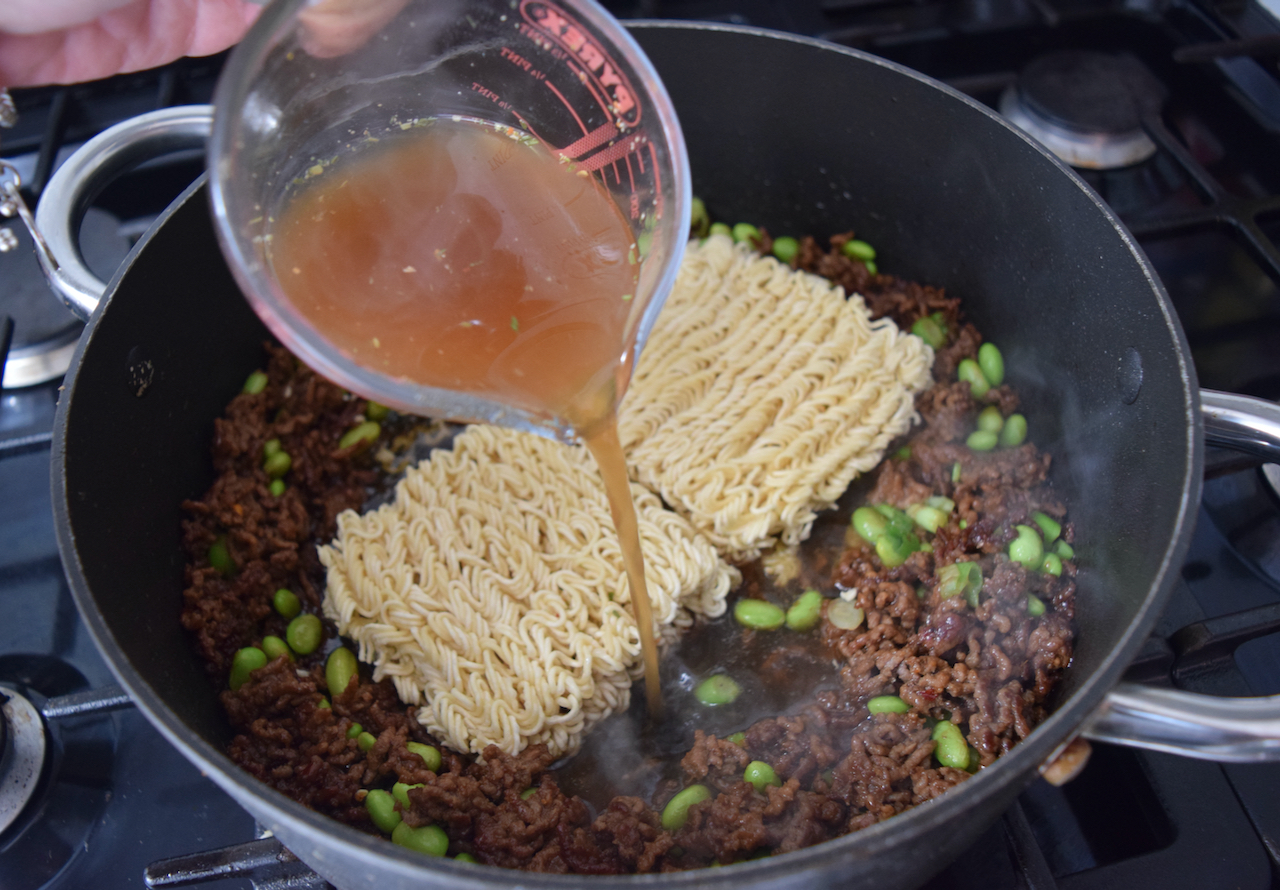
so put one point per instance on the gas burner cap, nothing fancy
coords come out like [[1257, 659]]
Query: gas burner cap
[[23, 758], [1086, 107]]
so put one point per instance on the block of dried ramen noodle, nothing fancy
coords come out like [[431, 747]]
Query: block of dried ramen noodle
[[761, 394], [491, 590]]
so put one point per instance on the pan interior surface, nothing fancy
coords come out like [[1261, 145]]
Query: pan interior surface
[[948, 194]]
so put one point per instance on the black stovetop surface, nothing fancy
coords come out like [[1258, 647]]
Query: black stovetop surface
[[1206, 209]]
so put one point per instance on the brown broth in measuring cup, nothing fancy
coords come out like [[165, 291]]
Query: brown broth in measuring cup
[[465, 256]]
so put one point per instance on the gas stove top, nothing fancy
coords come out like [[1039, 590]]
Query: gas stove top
[[1170, 110]]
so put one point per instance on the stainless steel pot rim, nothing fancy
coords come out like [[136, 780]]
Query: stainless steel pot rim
[[283, 814]]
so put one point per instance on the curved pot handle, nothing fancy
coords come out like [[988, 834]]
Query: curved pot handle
[[1240, 730], [83, 175]]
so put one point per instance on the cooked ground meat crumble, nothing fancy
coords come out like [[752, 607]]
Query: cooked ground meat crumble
[[988, 668]]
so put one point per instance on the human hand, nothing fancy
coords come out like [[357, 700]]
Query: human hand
[[336, 27], [65, 41]]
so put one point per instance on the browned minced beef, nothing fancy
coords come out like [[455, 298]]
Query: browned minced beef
[[988, 669], [285, 737], [270, 539]]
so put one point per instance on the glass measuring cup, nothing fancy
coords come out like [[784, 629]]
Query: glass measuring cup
[[318, 83]]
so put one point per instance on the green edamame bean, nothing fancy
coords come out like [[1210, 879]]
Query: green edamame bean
[[277, 464], [430, 754], [786, 248], [955, 473], [1014, 432], [400, 791], [255, 383], [286, 603], [1064, 550], [952, 750], [465, 857], [975, 761], [339, 670], [354, 731], [903, 453], [992, 363], [720, 689], [276, 487], [945, 504], [758, 614], [429, 839], [274, 647], [760, 775], [1049, 526], [1052, 565], [745, 232], [270, 447], [243, 663], [720, 228], [324, 703], [869, 523], [894, 548], [982, 440], [739, 739], [361, 432], [887, 704], [961, 577], [1027, 548], [699, 219], [375, 411], [991, 419], [932, 329], [304, 635], [805, 612], [858, 250], [871, 266], [898, 519], [220, 556], [676, 813], [381, 807], [366, 740], [1035, 605], [528, 793], [969, 372], [928, 518]]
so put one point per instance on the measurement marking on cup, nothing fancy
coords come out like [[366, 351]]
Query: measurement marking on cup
[[489, 94], [567, 105], [616, 152], [601, 74], [517, 59], [597, 137]]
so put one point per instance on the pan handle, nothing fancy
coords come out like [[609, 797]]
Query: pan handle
[[84, 174], [1237, 730]]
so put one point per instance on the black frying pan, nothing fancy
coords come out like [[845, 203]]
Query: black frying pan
[[798, 136]]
